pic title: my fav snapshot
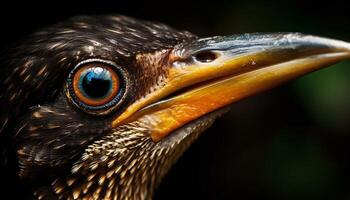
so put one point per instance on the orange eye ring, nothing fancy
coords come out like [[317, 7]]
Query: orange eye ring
[[87, 76], [96, 85]]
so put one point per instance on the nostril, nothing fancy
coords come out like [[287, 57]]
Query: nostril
[[206, 56]]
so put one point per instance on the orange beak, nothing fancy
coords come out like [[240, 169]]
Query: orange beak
[[212, 73]]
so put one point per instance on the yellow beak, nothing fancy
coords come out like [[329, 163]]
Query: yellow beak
[[212, 73]]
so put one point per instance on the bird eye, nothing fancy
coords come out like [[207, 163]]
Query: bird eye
[[96, 85]]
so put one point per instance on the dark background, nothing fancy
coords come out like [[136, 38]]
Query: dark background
[[292, 142]]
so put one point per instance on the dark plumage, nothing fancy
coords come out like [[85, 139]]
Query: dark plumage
[[50, 135], [52, 149]]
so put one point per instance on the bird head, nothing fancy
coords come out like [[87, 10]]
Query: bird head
[[101, 107]]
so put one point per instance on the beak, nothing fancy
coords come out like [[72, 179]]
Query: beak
[[211, 73]]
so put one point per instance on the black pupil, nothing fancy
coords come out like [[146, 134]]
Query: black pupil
[[97, 82]]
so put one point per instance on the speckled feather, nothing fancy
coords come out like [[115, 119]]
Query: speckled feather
[[59, 151], [32, 70]]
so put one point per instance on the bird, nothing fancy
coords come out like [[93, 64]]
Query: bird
[[101, 107]]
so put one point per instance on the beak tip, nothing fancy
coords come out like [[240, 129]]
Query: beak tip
[[338, 45]]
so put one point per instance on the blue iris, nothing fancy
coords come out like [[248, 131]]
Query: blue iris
[[96, 82]]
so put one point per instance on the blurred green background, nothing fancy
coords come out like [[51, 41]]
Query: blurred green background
[[292, 142]]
